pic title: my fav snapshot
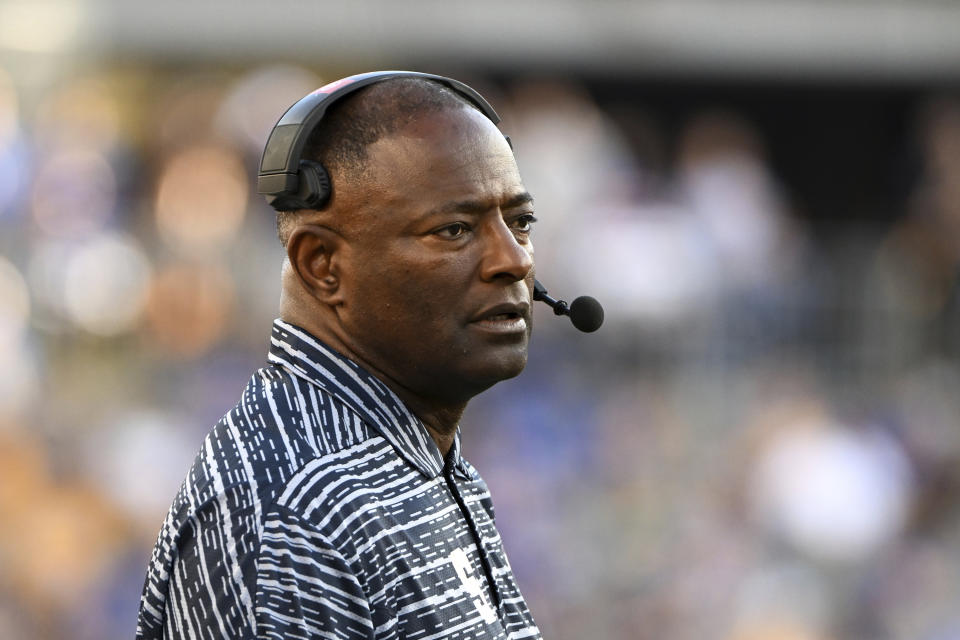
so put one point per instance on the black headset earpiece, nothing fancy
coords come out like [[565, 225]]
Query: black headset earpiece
[[290, 182], [313, 189]]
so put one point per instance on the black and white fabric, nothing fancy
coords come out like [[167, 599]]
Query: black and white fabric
[[320, 507]]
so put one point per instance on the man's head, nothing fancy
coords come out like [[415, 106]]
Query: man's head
[[420, 267]]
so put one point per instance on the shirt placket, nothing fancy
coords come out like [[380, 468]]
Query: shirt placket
[[493, 588]]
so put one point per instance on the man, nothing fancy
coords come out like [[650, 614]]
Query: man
[[332, 501]]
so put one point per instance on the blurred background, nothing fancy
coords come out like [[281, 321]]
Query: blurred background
[[762, 442]]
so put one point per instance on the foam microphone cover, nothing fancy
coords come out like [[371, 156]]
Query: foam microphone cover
[[586, 314]]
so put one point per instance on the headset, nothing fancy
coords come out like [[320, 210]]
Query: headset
[[291, 183], [288, 181]]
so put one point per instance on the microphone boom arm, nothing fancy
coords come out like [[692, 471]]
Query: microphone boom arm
[[560, 307], [585, 313]]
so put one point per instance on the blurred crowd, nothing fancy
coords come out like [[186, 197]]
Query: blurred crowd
[[762, 442]]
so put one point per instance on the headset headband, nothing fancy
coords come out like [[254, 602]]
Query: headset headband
[[291, 183]]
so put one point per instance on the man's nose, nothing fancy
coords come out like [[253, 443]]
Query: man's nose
[[504, 255]]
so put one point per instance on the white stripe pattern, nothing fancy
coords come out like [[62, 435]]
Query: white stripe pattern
[[319, 507]]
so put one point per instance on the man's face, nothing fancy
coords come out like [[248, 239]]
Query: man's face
[[437, 271]]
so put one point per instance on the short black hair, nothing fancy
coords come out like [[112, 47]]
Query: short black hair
[[352, 124]]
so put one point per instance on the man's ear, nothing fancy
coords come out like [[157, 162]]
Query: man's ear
[[314, 252]]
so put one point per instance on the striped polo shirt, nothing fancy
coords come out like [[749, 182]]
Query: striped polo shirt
[[320, 507]]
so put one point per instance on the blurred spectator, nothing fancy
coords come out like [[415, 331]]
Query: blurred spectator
[[915, 286]]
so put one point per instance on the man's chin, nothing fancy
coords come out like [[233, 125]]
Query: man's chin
[[473, 370], [503, 367]]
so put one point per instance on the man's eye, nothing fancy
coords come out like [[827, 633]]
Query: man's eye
[[524, 223], [454, 230]]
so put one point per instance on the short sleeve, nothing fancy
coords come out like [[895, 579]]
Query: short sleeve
[[305, 588]]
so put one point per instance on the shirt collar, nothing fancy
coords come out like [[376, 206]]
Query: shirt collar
[[454, 457], [305, 356]]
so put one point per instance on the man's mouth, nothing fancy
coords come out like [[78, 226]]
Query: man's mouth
[[504, 318]]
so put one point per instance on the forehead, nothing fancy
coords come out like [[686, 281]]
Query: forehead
[[451, 155]]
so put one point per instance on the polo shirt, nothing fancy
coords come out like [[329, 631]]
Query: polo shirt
[[320, 507]]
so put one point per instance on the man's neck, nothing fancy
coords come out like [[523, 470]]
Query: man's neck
[[440, 418], [440, 421]]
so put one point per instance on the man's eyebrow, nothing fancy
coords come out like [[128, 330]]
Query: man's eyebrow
[[517, 200], [479, 206]]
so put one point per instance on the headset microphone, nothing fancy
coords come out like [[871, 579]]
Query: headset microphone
[[585, 312]]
